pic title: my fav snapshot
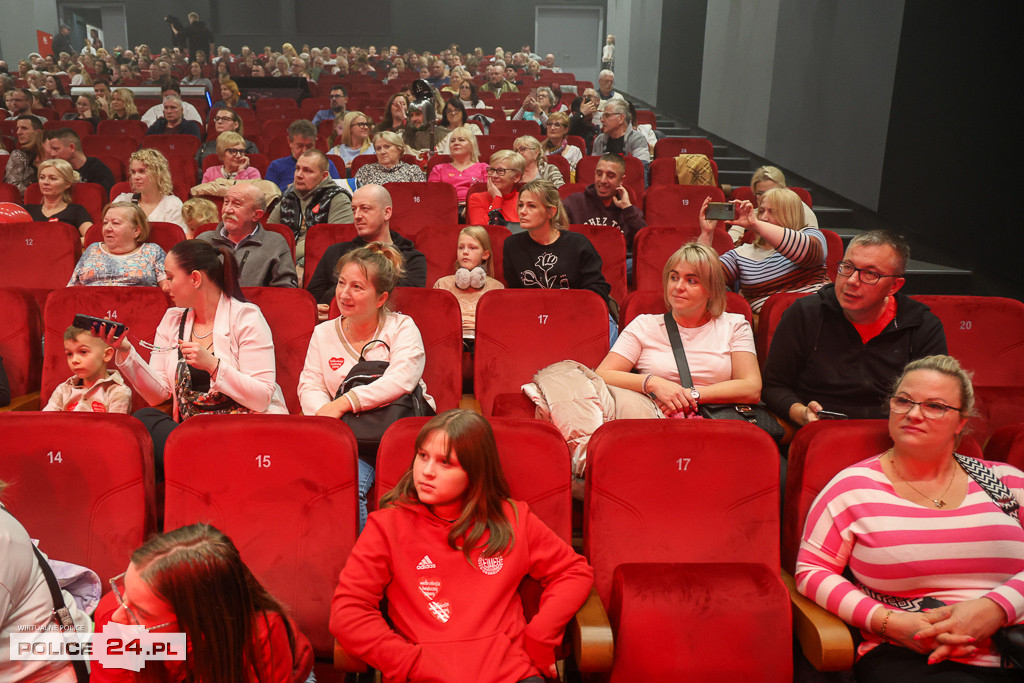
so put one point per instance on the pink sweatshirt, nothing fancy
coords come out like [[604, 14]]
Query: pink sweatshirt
[[899, 548]]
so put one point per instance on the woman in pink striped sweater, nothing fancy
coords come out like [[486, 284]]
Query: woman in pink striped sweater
[[937, 565]]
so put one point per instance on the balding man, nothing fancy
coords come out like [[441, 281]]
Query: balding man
[[618, 136], [264, 259], [371, 208], [312, 198]]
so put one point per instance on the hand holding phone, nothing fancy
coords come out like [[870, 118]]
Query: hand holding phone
[[720, 211], [98, 326]]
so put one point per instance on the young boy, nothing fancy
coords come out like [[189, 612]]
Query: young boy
[[93, 388]]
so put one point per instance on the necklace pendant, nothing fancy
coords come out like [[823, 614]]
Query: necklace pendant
[[939, 503]]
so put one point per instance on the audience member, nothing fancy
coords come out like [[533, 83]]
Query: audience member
[[618, 136], [581, 120], [455, 502], [606, 201], [312, 198], [172, 123], [785, 257], [952, 545], [367, 277], [264, 258], [454, 114], [537, 167], [21, 167], [395, 113], [230, 95], [474, 275], [195, 77], [56, 178], [92, 388], [351, 137], [339, 99], [190, 578], [86, 109], [301, 139], [557, 140], [371, 209], [225, 120], [197, 212], [171, 87], [546, 255], [840, 348], [152, 188], [64, 143], [389, 167], [214, 350], [465, 168], [122, 105], [767, 178], [500, 204], [496, 82], [234, 164], [123, 258], [469, 97]]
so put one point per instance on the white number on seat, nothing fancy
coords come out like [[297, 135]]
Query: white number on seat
[[112, 314], [262, 461], [683, 463], [542, 318], [686, 202], [29, 242], [54, 456], [965, 324]]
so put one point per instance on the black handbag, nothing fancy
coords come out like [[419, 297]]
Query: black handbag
[[369, 426], [757, 415]]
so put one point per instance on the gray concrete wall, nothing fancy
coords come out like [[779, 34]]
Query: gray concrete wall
[[19, 21]]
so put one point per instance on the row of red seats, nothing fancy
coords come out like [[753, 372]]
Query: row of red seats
[[698, 536]]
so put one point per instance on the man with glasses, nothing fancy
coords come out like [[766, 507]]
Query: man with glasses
[[617, 136], [840, 349], [339, 99]]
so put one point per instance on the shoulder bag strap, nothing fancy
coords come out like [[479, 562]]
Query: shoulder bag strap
[[990, 484], [677, 351], [60, 611], [370, 343], [181, 331]]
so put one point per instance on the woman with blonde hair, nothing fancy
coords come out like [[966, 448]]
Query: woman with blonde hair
[[500, 204], [537, 167], [352, 137], [152, 188], [389, 167], [465, 168], [122, 105], [768, 178], [785, 257], [56, 177], [557, 140], [474, 275], [234, 164]]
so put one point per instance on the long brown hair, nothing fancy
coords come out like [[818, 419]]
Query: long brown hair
[[218, 264], [471, 439], [198, 571]]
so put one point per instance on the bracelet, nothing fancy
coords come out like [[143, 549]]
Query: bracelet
[[647, 379], [885, 625]]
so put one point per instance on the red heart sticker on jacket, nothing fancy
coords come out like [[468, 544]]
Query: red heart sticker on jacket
[[430, 587], [336, 363], [98, 407], [442, 611]]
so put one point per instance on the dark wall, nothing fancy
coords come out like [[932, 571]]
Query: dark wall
[[682, 58], [952, 156], [408, 23]]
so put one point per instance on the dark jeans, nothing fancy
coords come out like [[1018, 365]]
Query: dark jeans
[[888, 663], [159, 425]]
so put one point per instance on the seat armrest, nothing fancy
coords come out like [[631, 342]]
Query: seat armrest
[[825, 639], [23, 402], [346, 662], [470, 402], [592, 641]]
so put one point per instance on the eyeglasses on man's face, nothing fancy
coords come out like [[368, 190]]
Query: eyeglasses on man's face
[[868, 277]]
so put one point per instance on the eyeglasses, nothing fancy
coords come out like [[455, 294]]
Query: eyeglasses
[[362, 124], [498, 171], [117, 585], [555, 125], [868, 277], [931, 410], [611, 113], [235, 152], [337, 96], [223, 119]]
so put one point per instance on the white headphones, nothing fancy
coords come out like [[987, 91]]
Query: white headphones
[[466, 279]]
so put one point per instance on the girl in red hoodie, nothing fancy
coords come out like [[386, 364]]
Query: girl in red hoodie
[[448, 549]]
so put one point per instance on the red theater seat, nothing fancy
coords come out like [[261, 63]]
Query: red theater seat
[[439, 320], [711, 510], [678, 204], [319, 238], [438, 244], [140, 308], [186, 145], [20, 346], [610, 244], [283, 487], [633, 180], [92, 196], [520, 331], [516, 129], [136, 130], [416, 205], [489, 144], [655, 243], [673, 147], [38, 255], [83, 484], [768, 320], [1007, 445], [562, 164], [291, 314], [110, 144]]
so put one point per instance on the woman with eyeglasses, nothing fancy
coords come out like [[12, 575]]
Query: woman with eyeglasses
[[192, 580], [234, 163], [557, 142], [351, 137], [224, 120], [454, 117], [500, 204], [537, 167], [768, 178], [787, 256], [936, 562]]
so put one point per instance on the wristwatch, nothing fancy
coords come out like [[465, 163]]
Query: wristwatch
[[694, 394]]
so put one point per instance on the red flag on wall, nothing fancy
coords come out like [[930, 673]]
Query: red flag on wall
[[45, 41]]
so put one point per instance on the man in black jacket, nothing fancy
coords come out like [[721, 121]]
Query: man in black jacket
[[198, 37], [841, 348], [371, 210]]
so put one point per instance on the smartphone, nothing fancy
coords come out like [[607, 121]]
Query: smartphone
[[98, 326], [721, 211], [832, 415]]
